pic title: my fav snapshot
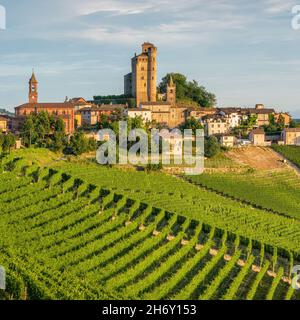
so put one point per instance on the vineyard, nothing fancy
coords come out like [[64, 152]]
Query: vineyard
[[276, 190], [95, 235], [292, 153]]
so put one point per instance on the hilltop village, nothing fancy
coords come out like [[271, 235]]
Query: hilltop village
[[234, 126]]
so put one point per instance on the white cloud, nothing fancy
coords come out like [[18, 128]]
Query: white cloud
[[279, 6]]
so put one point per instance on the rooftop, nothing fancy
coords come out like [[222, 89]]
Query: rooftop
[[292, 130], [157, 103], [47, 105], [258, 131]]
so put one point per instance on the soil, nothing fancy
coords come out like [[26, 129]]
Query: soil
[[257, 157]]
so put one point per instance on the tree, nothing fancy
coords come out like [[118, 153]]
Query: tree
[[1, 142], [79, 144], [294, 124], [211, 146], [189, 91], [42, 125], [9, 142], [193, 124], [59, 126], [135, 123], [59, 141], [28, 131]]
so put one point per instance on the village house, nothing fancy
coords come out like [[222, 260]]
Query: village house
[[233, 116], [228, 140], [145, 114], [262, 113], [258, 138], [92, 115], [283, 116], [201, 113], [3, 124], [291, 136], [216, 125]]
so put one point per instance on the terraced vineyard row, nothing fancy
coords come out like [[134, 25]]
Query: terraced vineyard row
[[290, 152], [178, 196], [89, 242], [257, 189]]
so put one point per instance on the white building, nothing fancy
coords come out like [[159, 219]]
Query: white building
[[228, 140], [145, 114]]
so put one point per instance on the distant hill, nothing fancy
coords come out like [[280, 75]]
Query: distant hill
[[4, 112]]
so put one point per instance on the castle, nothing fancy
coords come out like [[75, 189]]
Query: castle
[[142, 81], [141, 84]]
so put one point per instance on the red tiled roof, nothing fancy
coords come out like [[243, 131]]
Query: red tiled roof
[[258, 131], [157, 103], [292, 130], [47, 105]]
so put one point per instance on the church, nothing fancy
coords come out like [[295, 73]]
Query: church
[[65, 110]]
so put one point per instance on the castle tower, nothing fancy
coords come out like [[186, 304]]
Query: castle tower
[[171, 91], [141, 83], [33, 89], [152, 73]]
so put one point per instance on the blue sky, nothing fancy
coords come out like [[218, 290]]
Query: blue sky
[[246, 52]]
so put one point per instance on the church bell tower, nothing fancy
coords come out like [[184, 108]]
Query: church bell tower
[[33, 89], [171, 91]]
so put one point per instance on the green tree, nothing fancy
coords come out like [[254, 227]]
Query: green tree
[[294, 124], [211, 146], [9, 142], [79, 144], [191, 123], [59, 126], [42, 126], [189, 91], [28, 133], [59, 141], [1, 142]]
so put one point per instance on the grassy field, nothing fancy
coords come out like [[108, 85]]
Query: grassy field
[[292, 153]]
